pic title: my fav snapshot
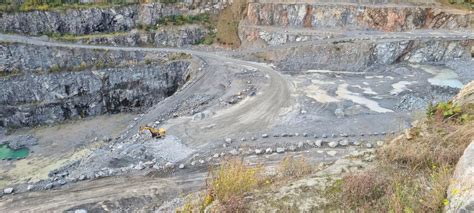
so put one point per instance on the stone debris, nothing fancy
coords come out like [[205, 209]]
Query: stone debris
[[8, 190], [234, 152], [318, 143], [344, 142], [269, 151], [332, 153], [216, 155], [339, 112], [332, 144], [368, 145], [258, 151], [228, 140], [169, 165], [300, 145], [380, 143], [292, 148], [356, 143], [264, 135], [181, 166], [20, 141], [280, 150]]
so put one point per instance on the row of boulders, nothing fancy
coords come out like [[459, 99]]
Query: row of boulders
[[307, 135]]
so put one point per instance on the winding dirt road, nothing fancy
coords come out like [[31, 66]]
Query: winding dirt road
[[253, 114]]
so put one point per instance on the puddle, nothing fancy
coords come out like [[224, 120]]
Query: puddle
[[366, 90], [318, 94], [8, 153], [344, 93], [442, 76]]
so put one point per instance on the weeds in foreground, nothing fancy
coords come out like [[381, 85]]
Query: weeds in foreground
[[411, 175], [230, 182], [290, 167]]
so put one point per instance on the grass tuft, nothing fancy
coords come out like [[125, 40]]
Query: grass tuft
[[290, 167], [412, 174], [230, 182]]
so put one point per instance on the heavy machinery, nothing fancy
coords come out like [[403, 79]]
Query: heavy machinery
[[156, 133]]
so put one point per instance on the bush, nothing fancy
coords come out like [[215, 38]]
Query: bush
[[294, 168], [230, 182]]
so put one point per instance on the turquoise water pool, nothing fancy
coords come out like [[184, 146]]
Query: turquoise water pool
[[7, 153]]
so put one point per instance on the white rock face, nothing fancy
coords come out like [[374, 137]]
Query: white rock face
[[461, 190]]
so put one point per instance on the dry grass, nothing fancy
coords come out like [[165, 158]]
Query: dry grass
[[461, 6], [228, 23], [230, 182], [410, 175], [290, 167], [440, 145]]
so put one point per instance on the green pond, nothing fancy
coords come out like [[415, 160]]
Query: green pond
[[7, 153]]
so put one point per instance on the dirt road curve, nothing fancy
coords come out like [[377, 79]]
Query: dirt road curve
[[107, 189], [255, 113]]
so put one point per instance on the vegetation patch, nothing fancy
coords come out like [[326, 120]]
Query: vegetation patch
[[290, 167], [414, 170], [230, 182], [459, 4], [228, 23]]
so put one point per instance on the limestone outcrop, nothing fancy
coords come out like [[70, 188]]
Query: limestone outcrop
[[354, 17], [461, 191]]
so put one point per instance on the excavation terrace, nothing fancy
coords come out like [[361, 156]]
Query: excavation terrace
[[309, 77]]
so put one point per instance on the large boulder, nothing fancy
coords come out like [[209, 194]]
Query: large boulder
[[461, 190], [465, 96]]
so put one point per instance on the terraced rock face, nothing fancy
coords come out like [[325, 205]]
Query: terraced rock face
[[38, 96], [99, 20], [354, 17], [26, 59], [359, 55], [164, 37]]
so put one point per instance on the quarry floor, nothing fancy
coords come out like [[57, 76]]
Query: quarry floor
[[249, 106]]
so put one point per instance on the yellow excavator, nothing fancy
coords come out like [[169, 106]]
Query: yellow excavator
[[156, 133]]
